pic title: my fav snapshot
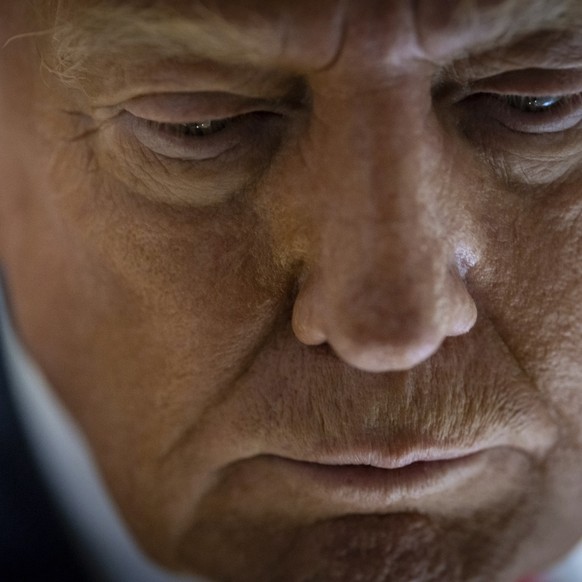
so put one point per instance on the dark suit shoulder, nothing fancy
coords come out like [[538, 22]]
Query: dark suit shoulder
[[34, 545]]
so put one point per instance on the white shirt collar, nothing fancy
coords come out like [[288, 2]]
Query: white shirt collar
[[568, 570], [67, 464]]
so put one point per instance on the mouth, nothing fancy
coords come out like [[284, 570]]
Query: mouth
[[376, 458], [438, 482], [398, 479]]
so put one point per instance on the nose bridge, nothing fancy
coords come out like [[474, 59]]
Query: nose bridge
[[381, 289], [371, 265], [385, 224]]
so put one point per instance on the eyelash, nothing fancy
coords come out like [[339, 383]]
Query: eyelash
[[229, 138], [533, 104], [529, 105], [526, 114], [196, 129], [207, 139]]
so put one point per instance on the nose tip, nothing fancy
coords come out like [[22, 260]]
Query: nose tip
[[382, 347], [387, 354], [381, 334]]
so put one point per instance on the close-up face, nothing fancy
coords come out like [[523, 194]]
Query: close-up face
[[307, 274]]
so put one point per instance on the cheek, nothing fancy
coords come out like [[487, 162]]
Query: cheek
[[534, 292], [195, 286], [180, 258], [155, 312]]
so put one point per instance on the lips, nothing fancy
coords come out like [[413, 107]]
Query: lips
[[407, 482], [418, 481], [377, 458], [402, 450], [397, 478]]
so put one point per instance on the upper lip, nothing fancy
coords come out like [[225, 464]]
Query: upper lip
[[401, 448], [386, 453]]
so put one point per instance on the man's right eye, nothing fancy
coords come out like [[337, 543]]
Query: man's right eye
[[195, 129], [191, 150], [202, 140]]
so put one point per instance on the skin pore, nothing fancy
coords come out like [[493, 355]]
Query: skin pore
[[240, 238]]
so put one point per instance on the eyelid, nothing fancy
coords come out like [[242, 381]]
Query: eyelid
[[532, 82], [523, 82], [239, 135], [490, 106], [151, 134], [177, 108]]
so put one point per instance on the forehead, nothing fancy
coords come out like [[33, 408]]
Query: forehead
[[307, 33]]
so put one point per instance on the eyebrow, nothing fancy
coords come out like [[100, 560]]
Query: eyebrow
[[125, 31], [106, 32]]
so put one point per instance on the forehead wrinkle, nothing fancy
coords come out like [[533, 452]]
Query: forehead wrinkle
[[99, 36], [542, 50], [457, 28]]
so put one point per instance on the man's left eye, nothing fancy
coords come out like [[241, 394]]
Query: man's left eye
[[526, 114], [533, 104]]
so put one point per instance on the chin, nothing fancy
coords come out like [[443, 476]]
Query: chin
[[405, 547]]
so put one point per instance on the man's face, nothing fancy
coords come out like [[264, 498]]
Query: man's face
[[307, 274]]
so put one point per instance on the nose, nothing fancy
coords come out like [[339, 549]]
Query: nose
[[384, 287], [376, 323]]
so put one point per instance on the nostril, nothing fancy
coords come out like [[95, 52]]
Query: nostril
[[458, 308], [464, 319], [307, 320], [306, 331]]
